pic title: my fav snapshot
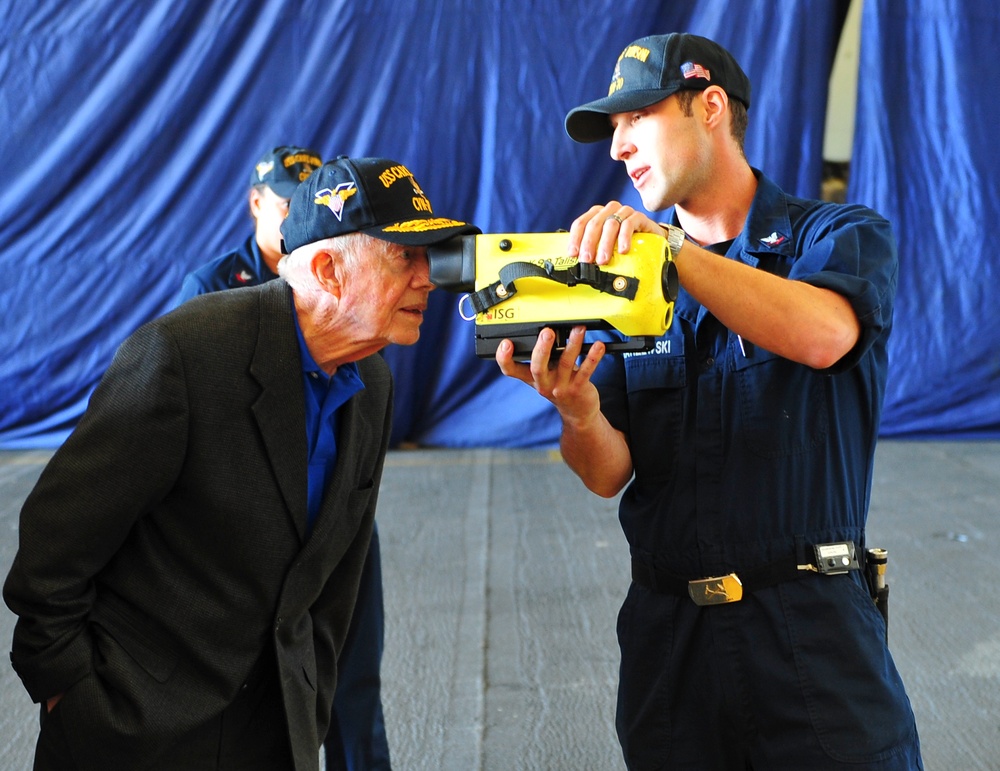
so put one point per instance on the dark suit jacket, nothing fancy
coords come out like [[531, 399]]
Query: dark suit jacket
[[164, 546]]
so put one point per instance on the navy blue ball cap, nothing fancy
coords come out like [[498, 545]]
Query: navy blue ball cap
[[651, 69], [375, 196], [283, 168]]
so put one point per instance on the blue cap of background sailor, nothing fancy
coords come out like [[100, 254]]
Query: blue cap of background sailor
[[651, 69], [284, 168], [375, 196]]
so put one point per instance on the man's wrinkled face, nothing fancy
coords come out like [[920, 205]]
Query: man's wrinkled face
[[386, 293]]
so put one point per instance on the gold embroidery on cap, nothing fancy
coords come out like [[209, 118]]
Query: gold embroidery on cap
[[632, 52], [422, 225]]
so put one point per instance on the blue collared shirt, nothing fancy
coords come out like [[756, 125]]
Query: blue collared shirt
[[324, 396]]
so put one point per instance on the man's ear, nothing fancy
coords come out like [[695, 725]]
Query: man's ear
[[254, 200], [328, 270], [716, 103]]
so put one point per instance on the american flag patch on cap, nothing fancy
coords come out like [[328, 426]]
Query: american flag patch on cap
[[692, 70]]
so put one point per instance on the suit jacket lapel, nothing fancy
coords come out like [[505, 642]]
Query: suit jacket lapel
[[280, 409]]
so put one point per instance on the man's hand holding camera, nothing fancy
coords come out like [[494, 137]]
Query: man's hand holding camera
[[596, 451], [593, 234], [562, 381]]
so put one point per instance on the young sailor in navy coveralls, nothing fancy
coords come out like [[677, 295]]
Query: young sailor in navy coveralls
[[743, 440]]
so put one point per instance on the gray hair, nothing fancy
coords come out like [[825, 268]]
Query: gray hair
[[295, 267]]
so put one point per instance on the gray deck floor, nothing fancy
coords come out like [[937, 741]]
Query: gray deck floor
[[503, 577]]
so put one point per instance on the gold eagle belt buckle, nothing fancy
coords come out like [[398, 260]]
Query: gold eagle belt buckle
[[716, 591]]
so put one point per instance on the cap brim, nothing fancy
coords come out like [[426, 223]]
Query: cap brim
[[422, 232], [589, 122]]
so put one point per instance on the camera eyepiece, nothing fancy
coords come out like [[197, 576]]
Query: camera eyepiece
[[453, 264]]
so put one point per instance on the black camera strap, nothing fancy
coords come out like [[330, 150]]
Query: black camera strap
[[586, 273]]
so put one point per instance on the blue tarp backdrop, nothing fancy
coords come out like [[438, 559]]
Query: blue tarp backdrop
[[130, 128]]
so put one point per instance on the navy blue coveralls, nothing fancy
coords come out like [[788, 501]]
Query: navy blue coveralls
[[356, 740], [744, 459], [243, 266]]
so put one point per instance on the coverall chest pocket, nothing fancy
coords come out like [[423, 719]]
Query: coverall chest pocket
[[656, 408], [781, 404]]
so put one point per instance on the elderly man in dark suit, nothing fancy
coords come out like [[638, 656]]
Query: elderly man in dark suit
[[189, 559]]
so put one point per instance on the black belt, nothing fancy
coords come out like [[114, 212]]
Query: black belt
[[718, 590]]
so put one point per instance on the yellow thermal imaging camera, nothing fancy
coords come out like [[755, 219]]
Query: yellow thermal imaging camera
[[516, 284]]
